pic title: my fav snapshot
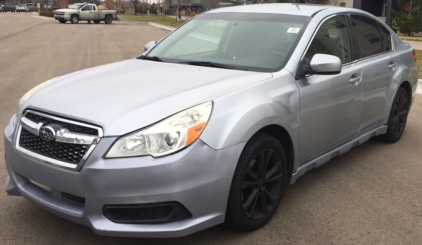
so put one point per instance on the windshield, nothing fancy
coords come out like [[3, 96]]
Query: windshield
[[245, 41], [75, 6]]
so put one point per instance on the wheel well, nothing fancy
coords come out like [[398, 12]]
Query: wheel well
[[406, 85], [284, 138]]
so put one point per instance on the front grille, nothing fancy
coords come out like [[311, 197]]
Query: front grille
[[59, 13], [70, 153], [72, 127], [63, 153]]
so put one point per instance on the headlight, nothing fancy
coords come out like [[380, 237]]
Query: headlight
[[165, 137], [28, 94]]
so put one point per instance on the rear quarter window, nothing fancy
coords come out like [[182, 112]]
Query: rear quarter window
[[385, 38]]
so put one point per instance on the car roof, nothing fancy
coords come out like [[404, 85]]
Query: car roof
[[276, 8]]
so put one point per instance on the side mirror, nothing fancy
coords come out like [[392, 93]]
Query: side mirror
[[324, 64], [149, 45]]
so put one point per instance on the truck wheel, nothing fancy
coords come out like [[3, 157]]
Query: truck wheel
[[97, 21], [62, 21], [108, 19], [74, 19]]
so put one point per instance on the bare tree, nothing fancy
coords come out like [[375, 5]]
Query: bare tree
[[144, 5], [109, 4], [178, 8], [63, 4], [135, 5]]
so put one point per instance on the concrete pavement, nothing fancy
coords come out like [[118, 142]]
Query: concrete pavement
[[370, 195], [414, 44]]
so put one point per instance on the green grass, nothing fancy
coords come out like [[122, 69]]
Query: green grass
[[409, 38], [162, 20], [419, 54]]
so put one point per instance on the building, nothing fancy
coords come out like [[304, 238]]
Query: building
[[188, 6], [379, 8]]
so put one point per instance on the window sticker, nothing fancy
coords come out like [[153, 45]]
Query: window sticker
[[293, 30]]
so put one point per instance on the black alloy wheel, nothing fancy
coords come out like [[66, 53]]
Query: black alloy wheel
[[398, 116], [262, 184], [400, 113], [258, 184]]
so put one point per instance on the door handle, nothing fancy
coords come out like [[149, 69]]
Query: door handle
[[354, 79], [90, 12], [392, 65]]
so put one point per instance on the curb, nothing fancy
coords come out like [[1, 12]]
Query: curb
[[168, 28]]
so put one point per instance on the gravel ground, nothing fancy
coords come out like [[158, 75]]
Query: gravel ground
[[370, 195]]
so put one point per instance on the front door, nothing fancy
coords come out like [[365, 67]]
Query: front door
[[87, 13], [330, 104]]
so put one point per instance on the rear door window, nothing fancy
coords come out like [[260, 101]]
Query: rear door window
[[367, 35]]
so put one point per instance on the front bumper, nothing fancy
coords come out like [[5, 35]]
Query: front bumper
[[198, 177], [62, 17]]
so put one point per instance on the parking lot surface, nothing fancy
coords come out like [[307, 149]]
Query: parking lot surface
[[370, 195]]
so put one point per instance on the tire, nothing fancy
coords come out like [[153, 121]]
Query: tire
[[97, 21], [258, 184], [108, 19], [74, 19], [62, 21], [398, 117]]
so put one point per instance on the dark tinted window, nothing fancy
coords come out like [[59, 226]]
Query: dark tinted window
[[87, 8], [367, 36], [332, 38], [385, 38]]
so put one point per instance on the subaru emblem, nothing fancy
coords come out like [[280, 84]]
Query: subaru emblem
[[47, 133]]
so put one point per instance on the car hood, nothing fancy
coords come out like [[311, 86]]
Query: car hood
[[129, 95], [66, 10]]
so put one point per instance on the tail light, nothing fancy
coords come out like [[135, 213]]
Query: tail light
[[414, 56], [413, 50]]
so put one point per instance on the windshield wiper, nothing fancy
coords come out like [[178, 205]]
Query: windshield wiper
[[153, 58], [211, 64]]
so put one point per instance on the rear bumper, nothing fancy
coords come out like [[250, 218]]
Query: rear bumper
[[198, 178]]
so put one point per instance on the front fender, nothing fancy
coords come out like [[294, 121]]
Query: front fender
[[239, 115]]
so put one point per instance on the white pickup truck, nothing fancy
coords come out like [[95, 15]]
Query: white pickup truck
[[87, 12]]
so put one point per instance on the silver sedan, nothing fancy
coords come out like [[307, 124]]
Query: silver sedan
[[211, 123]]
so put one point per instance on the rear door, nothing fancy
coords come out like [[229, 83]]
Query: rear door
[[87, 13], [379, 67], [330, 104]]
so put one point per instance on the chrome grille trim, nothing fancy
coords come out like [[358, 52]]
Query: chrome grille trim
[[33, 128]]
